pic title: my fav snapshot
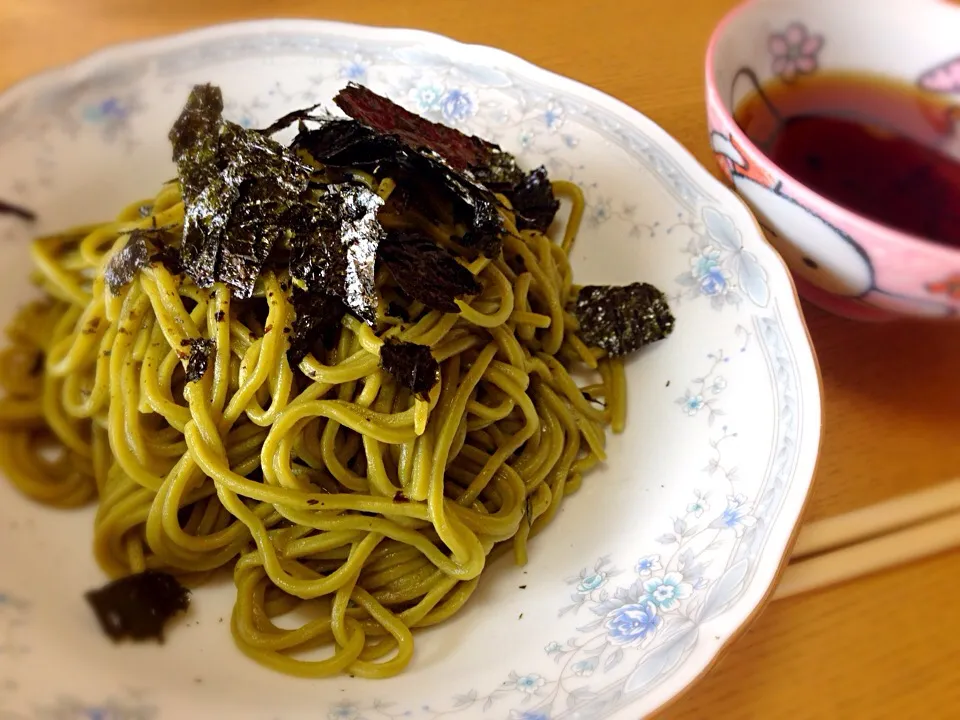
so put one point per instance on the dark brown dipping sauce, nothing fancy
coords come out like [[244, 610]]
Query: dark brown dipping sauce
[[886, 150]]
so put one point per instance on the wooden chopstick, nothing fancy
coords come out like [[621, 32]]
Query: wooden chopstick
[[874, 538], [868, 557], [874, 520]]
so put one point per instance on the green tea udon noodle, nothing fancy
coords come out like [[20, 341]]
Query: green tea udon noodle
[[326, 484]]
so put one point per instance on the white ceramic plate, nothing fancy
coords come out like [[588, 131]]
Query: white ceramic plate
[[648, 571]]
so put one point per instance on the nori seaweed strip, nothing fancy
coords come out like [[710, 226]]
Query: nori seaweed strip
[[348, 143], [413, 365], [285, 121], [333, 249], [195, 136], [142, 248], [317, 318], [138, 606], [207, 197], [460, 151], [237, 186], [200, 351], [270, 179], [622, 319], [427, 272], [533, 201], [7, 208], [257, 221]]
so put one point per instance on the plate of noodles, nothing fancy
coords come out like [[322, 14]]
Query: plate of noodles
[[358, 373]]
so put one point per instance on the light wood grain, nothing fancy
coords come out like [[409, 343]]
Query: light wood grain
[[884, 646]]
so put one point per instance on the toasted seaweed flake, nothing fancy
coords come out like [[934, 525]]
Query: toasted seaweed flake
[[317, 318], [348, 143], [138, 606], [461, 152], [485, 229], [7, 208], [199, 357], [622, 319], [590, 398], [124, 265], [500, 169], [334, 246], [533, 201], [395, 309], [417, 168], [285, 121], [476, 207], [413, 366], [169, 257], [427, 272], [237, 185], [142, 248]]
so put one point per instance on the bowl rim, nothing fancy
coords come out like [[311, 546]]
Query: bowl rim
[[740, 623], [880, 232]]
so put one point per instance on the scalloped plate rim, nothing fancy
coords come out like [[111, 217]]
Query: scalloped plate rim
[[87, 65]]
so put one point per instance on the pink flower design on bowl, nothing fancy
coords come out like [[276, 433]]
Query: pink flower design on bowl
[[794, 51]]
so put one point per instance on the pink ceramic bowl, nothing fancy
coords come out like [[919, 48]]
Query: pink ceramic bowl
[[841, 261]]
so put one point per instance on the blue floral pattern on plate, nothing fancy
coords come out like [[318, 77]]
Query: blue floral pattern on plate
[[721, 269]]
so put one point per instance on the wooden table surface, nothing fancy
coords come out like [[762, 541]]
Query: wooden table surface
[[885, 646]]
